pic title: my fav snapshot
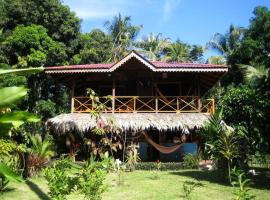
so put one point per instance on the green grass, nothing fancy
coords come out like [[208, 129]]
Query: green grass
[[143, 185]]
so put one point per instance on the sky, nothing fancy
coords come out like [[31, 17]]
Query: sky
[[191, 21]]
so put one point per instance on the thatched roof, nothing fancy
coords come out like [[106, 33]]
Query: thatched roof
[[82, 123]]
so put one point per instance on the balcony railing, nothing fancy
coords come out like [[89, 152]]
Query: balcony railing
[[146, 104]]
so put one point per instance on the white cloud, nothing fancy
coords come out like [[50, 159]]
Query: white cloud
[[168, 7]]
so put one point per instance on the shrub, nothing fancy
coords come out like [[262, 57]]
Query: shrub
[[40, 153], [60, 184], [241, 183], [46, 109], [188, 188], [92, 181], [190, 161]]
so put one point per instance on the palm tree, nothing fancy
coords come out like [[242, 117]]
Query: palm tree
[[41, 147], [255, 75], [225, 44], [153, 46], [218, 60], [123, 34], [178, 51]]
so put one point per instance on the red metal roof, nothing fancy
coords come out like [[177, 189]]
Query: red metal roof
[[154, 65]]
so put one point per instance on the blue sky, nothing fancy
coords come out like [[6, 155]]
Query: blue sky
[[192, 21]]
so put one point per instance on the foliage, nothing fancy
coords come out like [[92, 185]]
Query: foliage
[[110, 137], [226, 44], [247, 107], [92, 178], [222, 141], [60, 184], [44, 108], [123, 34], [6, 175], [40, 152], [217, 60], [153, 46], [93, 47], [188, 188], [9, 97], [241, 182], [132, 158], [190, 161], [31, 46], [182, 52], [61, 23]]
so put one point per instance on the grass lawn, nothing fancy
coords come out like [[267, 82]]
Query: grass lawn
[[142, 185]]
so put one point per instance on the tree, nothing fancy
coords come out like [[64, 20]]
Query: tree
[[218, 60], [31, 46], [153, 46], [222, 141], [61, 23], [226, 44], [123, 34], [182, 52], [93, 47]]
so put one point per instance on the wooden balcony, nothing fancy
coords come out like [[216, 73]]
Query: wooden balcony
[[146, 104]]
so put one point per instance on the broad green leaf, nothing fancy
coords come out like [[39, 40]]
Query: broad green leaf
[[11, 95], [5, 129], [17, 118], [9, 173], [22, 72]]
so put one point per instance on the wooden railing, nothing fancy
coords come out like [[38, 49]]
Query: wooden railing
[[146, 104]]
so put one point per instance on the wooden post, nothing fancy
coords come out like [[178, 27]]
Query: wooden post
[[113, 96], [199, 94], [156, 104], [212, 106], [134, 105], [72, 95]]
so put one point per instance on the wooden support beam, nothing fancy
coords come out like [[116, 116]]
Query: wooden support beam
[[113, 95], [72, 95]]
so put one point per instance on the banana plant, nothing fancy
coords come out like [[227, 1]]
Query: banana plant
[[10, 119]]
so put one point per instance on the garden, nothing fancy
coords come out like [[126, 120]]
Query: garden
[[233, 161]]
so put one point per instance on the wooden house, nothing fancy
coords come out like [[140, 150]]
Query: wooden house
[[166, 100]]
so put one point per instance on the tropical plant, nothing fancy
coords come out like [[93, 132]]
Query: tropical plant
[[132, 157], [182, 52], [123, 34], [255, 75], [6, 175], [217, 60], [240, 184], [10, 120], [40, 152], [226, 44], [153, 46], [177, 51], [92, 179], [190, 161], [222, 141], [60, 184], [189, 187]]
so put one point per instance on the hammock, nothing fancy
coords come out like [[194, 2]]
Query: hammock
[[162, 149]]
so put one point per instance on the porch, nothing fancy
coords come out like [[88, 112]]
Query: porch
[[145, 104]]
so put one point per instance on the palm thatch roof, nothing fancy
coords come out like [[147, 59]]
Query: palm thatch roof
[[82, 123]]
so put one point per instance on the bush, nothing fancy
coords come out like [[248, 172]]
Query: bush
[[40, 152], [46, 109], [60, 184], [92, 180], [190, 161]]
